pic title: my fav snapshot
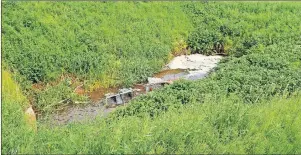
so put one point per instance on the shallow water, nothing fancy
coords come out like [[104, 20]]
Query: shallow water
[[171, 74], [196, 75], [80, 113], [99, 93]]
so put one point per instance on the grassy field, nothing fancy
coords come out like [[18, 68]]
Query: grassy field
[[249, 104]]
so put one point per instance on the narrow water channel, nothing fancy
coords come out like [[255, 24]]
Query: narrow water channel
[[190, 67]]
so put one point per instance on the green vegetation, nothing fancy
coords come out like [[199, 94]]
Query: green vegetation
[[250, 104], [237, 28], [115, 43], [105, 44]]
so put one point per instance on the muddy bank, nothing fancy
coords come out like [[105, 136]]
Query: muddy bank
[[189, 67]]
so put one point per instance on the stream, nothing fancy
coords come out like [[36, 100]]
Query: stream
[[189, 67]]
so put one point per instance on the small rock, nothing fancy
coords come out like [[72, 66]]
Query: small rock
[[30, 117], [154, 80], [137, 90]]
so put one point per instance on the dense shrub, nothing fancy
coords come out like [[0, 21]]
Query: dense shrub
[[206, 41]]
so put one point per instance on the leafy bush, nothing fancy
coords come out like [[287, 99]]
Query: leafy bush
[[206, 41]]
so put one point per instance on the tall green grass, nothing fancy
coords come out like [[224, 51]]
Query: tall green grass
[[113, 43], [101, 43], [218, 125], [225, 125], [237, 28], [17, 135]]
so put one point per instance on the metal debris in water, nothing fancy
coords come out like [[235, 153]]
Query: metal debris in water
[[121, 97]]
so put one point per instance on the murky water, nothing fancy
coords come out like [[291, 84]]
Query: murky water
[[176, 74], [79, 113], [171, 74], [99, 93], [195, 75]]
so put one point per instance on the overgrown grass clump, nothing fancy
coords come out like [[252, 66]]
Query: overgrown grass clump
[[237, 28], [113, 43], [53, 97], [17, 134]]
